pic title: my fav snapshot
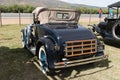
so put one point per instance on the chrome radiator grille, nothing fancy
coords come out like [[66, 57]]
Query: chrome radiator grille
[[80, 47]]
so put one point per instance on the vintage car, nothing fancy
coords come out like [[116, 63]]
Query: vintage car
[[110, 28], [59, 42]]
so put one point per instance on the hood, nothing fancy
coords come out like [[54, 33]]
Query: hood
[[80, 33]]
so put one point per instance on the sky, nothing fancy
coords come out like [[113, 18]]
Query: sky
[[99, 3]]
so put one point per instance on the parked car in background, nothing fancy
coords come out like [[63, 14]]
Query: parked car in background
[[110, 28]]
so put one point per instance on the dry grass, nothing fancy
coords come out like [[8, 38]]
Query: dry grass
[[15, 62]]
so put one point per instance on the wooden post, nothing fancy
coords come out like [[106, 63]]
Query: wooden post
[[99, 20], [117, 12], [90, 18], [0, 19], [108, 12], [19, 19]]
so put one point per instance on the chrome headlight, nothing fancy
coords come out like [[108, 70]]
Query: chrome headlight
[[100, 48]]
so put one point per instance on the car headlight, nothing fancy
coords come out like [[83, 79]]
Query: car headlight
[[100, 48]]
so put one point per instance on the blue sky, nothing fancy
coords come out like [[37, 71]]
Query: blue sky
[[99, 3]]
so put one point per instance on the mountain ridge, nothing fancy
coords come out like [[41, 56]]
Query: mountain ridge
[[44, 3]]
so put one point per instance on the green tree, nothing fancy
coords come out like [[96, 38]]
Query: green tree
[[16, 8]]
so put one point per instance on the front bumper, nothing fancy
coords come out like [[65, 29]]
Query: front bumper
[[80, 62]]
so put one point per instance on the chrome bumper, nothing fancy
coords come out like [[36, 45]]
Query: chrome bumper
[[80, 62]]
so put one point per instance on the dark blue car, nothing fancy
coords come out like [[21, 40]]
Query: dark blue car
[[59, 42]]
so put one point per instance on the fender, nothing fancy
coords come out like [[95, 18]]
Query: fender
[[50, 50], [23, 32], [23, 39], [26, 34], [48, 43]]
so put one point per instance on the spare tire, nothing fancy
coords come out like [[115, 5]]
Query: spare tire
[[116, 31]]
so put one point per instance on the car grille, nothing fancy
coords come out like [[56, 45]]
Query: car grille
[[80, 47]]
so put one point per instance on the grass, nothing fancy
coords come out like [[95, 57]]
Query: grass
[[16, 62]]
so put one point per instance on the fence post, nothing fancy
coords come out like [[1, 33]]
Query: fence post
[[19, 19], [90, 18], [0, 19]]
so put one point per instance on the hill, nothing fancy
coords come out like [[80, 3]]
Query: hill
[[44, 3]]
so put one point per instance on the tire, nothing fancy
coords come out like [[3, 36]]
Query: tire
[[116, 31], [23, 41], [43, 59]]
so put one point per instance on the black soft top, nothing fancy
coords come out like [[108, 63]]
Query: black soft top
[[117, 4]]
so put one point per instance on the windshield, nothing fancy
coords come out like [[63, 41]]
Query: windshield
[[113, 13]]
